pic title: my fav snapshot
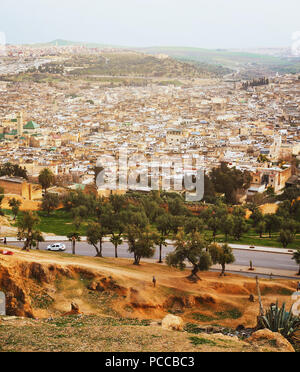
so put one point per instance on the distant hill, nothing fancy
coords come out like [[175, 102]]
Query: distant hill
[[215, 56], [214, 62], [62, 43], [134, 64], [230, 59]]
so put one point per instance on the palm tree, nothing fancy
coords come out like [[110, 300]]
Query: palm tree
[[161, 241], [163, 223], [75, 235], [116, 240], [37, 239]]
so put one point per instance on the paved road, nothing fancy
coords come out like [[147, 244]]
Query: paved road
[[260, 259]]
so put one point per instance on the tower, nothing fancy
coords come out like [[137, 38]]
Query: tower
[[20, 124]]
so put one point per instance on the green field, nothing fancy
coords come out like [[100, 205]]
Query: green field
[[252, 238], [58, 223]]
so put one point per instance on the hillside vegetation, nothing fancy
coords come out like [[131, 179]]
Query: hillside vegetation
[[140, 65]]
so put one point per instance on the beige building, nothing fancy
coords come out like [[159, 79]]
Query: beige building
[[19, 186]]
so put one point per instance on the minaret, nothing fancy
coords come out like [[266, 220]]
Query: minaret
[[20, 124]]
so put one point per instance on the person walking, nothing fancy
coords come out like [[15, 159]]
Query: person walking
[[154, 282], [5, 241], [298, 286]]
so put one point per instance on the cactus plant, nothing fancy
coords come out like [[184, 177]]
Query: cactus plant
[[279, 320]]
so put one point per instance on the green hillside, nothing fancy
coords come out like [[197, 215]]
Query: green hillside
[[133, 64]]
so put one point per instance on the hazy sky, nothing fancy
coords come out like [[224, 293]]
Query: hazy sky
[[199, 23]]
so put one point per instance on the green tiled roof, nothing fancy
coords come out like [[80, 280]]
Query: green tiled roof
[[31, 125]]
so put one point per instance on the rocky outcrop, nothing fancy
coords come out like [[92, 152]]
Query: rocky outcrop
[[17, 300], [267, 338], [26, 283], [74, 310], [173, 323]]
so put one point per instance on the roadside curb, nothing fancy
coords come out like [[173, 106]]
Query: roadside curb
[[263, 251]]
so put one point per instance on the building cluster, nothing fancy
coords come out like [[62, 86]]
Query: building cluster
[[68, 126]]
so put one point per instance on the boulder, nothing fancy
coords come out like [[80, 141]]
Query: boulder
[[74, 310], [173, 323], [267, 338]]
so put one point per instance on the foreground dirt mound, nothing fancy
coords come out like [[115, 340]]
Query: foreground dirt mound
[[32, 289], [265, 337], [42, 284]]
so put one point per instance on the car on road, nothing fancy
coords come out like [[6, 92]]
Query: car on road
[[252, 247], [57, 247]]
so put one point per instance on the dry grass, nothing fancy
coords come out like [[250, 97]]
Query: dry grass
[[95, 334]]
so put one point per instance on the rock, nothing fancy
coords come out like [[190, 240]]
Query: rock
[[172, 322], [75, 307], [74, 310], [265, 337]]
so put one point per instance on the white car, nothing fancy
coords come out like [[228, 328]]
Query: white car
[[57, 247]]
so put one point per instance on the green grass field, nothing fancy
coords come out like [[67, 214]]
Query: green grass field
[[58, 222], [255, 240]]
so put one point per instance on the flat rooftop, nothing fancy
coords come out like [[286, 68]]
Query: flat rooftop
[[12, 179]]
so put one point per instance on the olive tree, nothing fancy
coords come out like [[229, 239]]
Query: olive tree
[[191, 248], [222, 255]]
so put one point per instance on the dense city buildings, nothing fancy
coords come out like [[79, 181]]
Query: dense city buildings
[[68, 124]]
